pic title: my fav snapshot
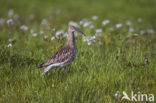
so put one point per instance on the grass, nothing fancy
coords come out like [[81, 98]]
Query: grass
[[121, 62]]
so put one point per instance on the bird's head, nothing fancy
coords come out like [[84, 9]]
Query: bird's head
[[73, 29]]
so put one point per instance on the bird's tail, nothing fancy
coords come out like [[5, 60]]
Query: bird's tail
[[47, 69], [40, 65]]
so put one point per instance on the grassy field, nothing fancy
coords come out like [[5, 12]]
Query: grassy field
[[117, 54]]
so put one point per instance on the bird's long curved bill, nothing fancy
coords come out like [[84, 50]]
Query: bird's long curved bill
[[79, 31]]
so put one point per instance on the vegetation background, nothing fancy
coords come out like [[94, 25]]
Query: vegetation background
[[121, 59]]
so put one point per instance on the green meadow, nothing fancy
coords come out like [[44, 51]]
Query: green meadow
[[117, 54]]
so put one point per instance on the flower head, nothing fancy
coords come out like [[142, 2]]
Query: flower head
[[2, 20], [16, 16], [86, 24], [9, 45], [91, 26], [24, 27], [10, 22], [52, 38], [150, 31], [10, 12], [94, 17], [98, 32], [105, 22], [118, 25], [139, 20], [74, 24], [128, 23], [131, 29], [34, 34], [41, 31], [44, 22]]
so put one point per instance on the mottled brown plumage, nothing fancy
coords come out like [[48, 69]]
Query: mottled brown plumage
[[65, 55]]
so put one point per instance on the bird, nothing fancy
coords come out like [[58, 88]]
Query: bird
[[63, 56]]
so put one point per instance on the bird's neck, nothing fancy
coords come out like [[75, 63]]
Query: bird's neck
[[71, 39]]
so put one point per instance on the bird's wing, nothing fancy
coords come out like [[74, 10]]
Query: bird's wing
[[59, 56]]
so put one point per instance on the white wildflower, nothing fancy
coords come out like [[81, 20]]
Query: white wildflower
[[150, 31], [2, 20], [53, 29], [98, 30], [131, 29], [59, 32], [44, 22], [74, 24], [119, 96], [128, 23], [31, 16], [83, 21], [9, 45], [139, 20], [24, 27], [31, 31], [94, 17], [92, 37], [16, 16], [86, 24], [52, 38], [92, 26], [10, 22], [100, 43], [89, 39], [118, 25], [142, 31], [10, 40], [65, 34], [105, 22], [111, 28], [135, 34], [98, 34], [34, 34], [89, 43], [146, 61], [94, 40], [58, 11], [41, 31], [45, 37], [10, 12], [117, 93], [85, 38]]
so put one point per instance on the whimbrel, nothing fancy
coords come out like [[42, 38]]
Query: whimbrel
[[65, 55]]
